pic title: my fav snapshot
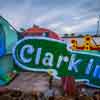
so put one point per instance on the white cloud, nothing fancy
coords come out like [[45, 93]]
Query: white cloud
[[50, 15], [55, 24], [81, 26]]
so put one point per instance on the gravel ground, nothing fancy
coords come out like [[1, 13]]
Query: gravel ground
[[29, 81], [26, 85]]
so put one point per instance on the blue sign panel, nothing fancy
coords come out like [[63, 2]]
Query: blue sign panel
[[2, 42]]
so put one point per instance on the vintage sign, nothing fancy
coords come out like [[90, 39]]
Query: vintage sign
[[42, 54]]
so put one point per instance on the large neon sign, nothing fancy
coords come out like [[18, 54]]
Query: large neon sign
[[41, 54]]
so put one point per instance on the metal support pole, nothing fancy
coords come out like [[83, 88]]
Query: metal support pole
[[98, 23]]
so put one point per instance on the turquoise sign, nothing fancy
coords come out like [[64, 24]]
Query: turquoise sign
[[8, 38], [42, 54]]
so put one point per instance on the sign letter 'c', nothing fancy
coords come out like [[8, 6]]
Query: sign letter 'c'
[[30, 50]]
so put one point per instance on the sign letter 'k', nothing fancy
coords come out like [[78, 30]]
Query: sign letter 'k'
[[73, 64]]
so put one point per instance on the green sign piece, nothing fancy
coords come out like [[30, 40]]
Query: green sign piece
[[42, 54]]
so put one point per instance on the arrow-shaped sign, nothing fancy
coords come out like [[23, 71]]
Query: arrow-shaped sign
[[42, 54]]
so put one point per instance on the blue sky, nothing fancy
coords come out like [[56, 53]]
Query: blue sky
[[62, 16]]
